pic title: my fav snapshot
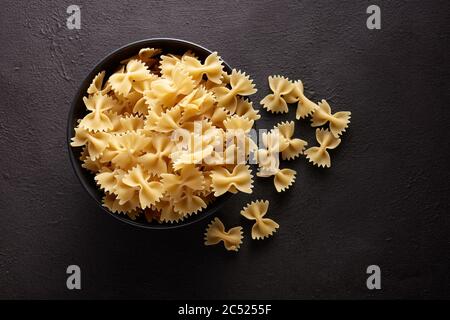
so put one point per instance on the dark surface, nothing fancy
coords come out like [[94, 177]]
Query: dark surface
[[384, 201]]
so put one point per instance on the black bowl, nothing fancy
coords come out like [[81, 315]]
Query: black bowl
[[78, 110]]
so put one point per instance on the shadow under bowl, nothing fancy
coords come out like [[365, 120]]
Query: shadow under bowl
[[78, 111]]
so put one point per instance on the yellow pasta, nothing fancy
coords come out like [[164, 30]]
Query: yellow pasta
[[244, 108], [338, 121], [150, 191], [147, 55], [240, 84], [215, 233], [263, 227], [97, 120], [97, 84], [124, 150], [319, 156], [189, 203], [212, 68], [240, 179], [293, 147], [155, 159], [123, 82], [268, 159], [305, 106], [96, 142], [275, 102], [283, 179], [162, 135]]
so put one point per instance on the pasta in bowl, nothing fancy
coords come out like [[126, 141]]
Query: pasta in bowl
[[159, 133]]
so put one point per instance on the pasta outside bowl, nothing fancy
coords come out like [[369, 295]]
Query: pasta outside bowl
[[78, 111]]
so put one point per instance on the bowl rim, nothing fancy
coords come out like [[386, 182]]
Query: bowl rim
[[76, 165]]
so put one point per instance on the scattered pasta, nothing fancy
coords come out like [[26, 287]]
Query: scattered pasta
[[275, 102], [268, 158], [154, 132], [165, 135], [319, 156], [293, 146], [263, 227], [304, 106], [215, 233], [338, 121]]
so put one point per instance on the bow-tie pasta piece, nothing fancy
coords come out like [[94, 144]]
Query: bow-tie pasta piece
[[212, 68], [274, 141], [129, 208], [123, 82], [156, 155], [150, 191], [238, 123], [107, 179], [244, 108], [338, 121], [93, 166], [168, 63], [198, 101], [275, 102], [240, 179], [125, 123], [305, 106], [319, 156], [96, 142], [189, 178], [167, 121], [166, 211], [97, 119], [240, 84], [295, 146], [166, 91], [215, 233], [97, 86], [124, 150], [263, 227], [147, 55], [189, 203], [120, 197], [268, 162], [283, 179]]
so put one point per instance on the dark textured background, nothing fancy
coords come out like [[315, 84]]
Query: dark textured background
[[384, 201]]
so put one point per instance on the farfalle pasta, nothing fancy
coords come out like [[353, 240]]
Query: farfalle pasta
[[215, 233], [240, 84], [304, 106], [292, 147], [136, 71], [239, 179], [338, 121], [268, 158], [263, 227], [161, 134], [275, 102], [319, 156]]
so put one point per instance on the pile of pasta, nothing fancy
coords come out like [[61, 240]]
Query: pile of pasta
[[127, 136], [280, 141]]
